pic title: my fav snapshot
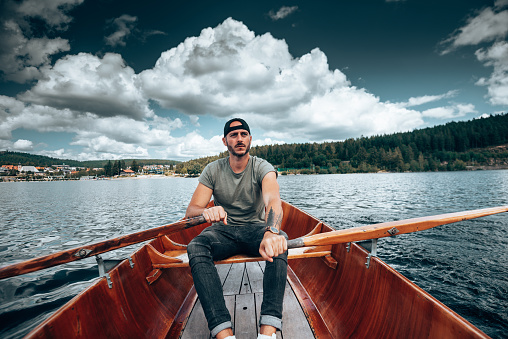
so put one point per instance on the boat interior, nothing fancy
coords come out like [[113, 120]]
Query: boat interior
[[335, 291]]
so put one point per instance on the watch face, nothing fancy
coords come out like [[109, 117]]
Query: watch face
[[274, 230]]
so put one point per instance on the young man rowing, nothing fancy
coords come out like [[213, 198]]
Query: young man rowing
[[246, 219]]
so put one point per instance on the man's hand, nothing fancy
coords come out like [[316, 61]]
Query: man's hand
[[272, 245], [215, 214]]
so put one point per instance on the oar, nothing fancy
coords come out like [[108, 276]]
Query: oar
[[388, 229], [97, 248]]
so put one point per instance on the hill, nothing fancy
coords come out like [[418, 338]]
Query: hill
[[475, 144], [27, 159]]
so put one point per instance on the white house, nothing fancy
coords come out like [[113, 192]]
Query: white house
[[29, 169]]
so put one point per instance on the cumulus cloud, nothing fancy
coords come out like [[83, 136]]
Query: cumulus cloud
[[21, 54], [99, 137], [229, 70], [87, 83], [226, 70], [282, 13]]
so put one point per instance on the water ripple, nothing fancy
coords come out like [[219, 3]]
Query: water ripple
[[463, 265]]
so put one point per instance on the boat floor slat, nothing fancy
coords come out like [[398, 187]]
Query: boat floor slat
[[243, 287]]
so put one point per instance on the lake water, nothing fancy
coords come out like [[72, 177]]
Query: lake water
[[464, 265]]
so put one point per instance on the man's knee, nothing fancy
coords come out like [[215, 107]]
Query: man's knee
[[199, 250]]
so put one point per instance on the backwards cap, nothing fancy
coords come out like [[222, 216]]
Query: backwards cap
[[228, 128]]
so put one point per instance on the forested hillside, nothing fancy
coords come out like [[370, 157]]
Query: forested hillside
[[26, 159], [453, 146]]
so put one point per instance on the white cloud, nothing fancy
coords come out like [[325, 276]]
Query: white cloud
[[449, 112], [425, 99], [487, 26], [192, 146], [339, 114], [194, 119], [103, 147], [20, 56], [22, 145], [497, 57], [228, 70], [225, 71], [282, 13], [123, 26], [86, 83], [266, 141], [100, 137], [59, 153]]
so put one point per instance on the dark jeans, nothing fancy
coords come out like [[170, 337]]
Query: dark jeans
[[218, 242]]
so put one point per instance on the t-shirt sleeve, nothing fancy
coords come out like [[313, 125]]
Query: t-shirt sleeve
[[264, 167], [206, 177]]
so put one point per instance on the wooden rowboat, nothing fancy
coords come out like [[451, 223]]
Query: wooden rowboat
[[334, 291]]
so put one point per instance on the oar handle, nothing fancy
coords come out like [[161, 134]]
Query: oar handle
[[296, 243], [89, 250]]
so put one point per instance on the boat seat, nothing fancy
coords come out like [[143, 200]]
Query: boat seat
[[175, 255]]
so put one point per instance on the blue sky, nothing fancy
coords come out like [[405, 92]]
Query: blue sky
[[111, 79]]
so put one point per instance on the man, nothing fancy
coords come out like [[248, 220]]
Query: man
[[246, 219]]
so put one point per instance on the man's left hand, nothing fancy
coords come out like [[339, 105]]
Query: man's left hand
[[272, 245]]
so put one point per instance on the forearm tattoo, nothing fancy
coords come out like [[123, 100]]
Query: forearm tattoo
[[273, 218]]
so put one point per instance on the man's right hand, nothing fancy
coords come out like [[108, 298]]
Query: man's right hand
[[215, 214]]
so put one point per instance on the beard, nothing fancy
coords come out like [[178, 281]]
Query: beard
[[232, 151]]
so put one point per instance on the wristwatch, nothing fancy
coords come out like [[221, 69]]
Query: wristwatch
[[271, 229]]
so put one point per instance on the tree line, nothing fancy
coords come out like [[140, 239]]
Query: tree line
[[449, 147], [27, 159]]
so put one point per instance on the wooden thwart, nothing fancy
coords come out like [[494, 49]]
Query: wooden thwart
[[175, 255]]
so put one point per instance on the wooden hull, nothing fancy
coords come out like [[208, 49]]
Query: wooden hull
[[340, 296]]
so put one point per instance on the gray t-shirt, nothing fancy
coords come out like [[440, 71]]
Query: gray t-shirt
[[238, 193]]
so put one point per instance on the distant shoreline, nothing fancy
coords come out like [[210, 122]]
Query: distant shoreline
[[162, 176]]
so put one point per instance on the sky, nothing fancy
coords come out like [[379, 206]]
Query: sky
[[124, 79]]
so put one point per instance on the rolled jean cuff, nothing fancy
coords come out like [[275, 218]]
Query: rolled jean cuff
[[270, 320], [221, 327]]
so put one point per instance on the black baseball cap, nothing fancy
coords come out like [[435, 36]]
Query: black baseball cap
[[228, 128]]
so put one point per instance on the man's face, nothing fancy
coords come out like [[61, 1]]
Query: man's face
[[237, 141]]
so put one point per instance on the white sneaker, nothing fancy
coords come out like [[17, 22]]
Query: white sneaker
[[264, 336]]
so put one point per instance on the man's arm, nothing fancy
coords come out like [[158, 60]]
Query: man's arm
[[272, 244], [198, 203], [271, 197]]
